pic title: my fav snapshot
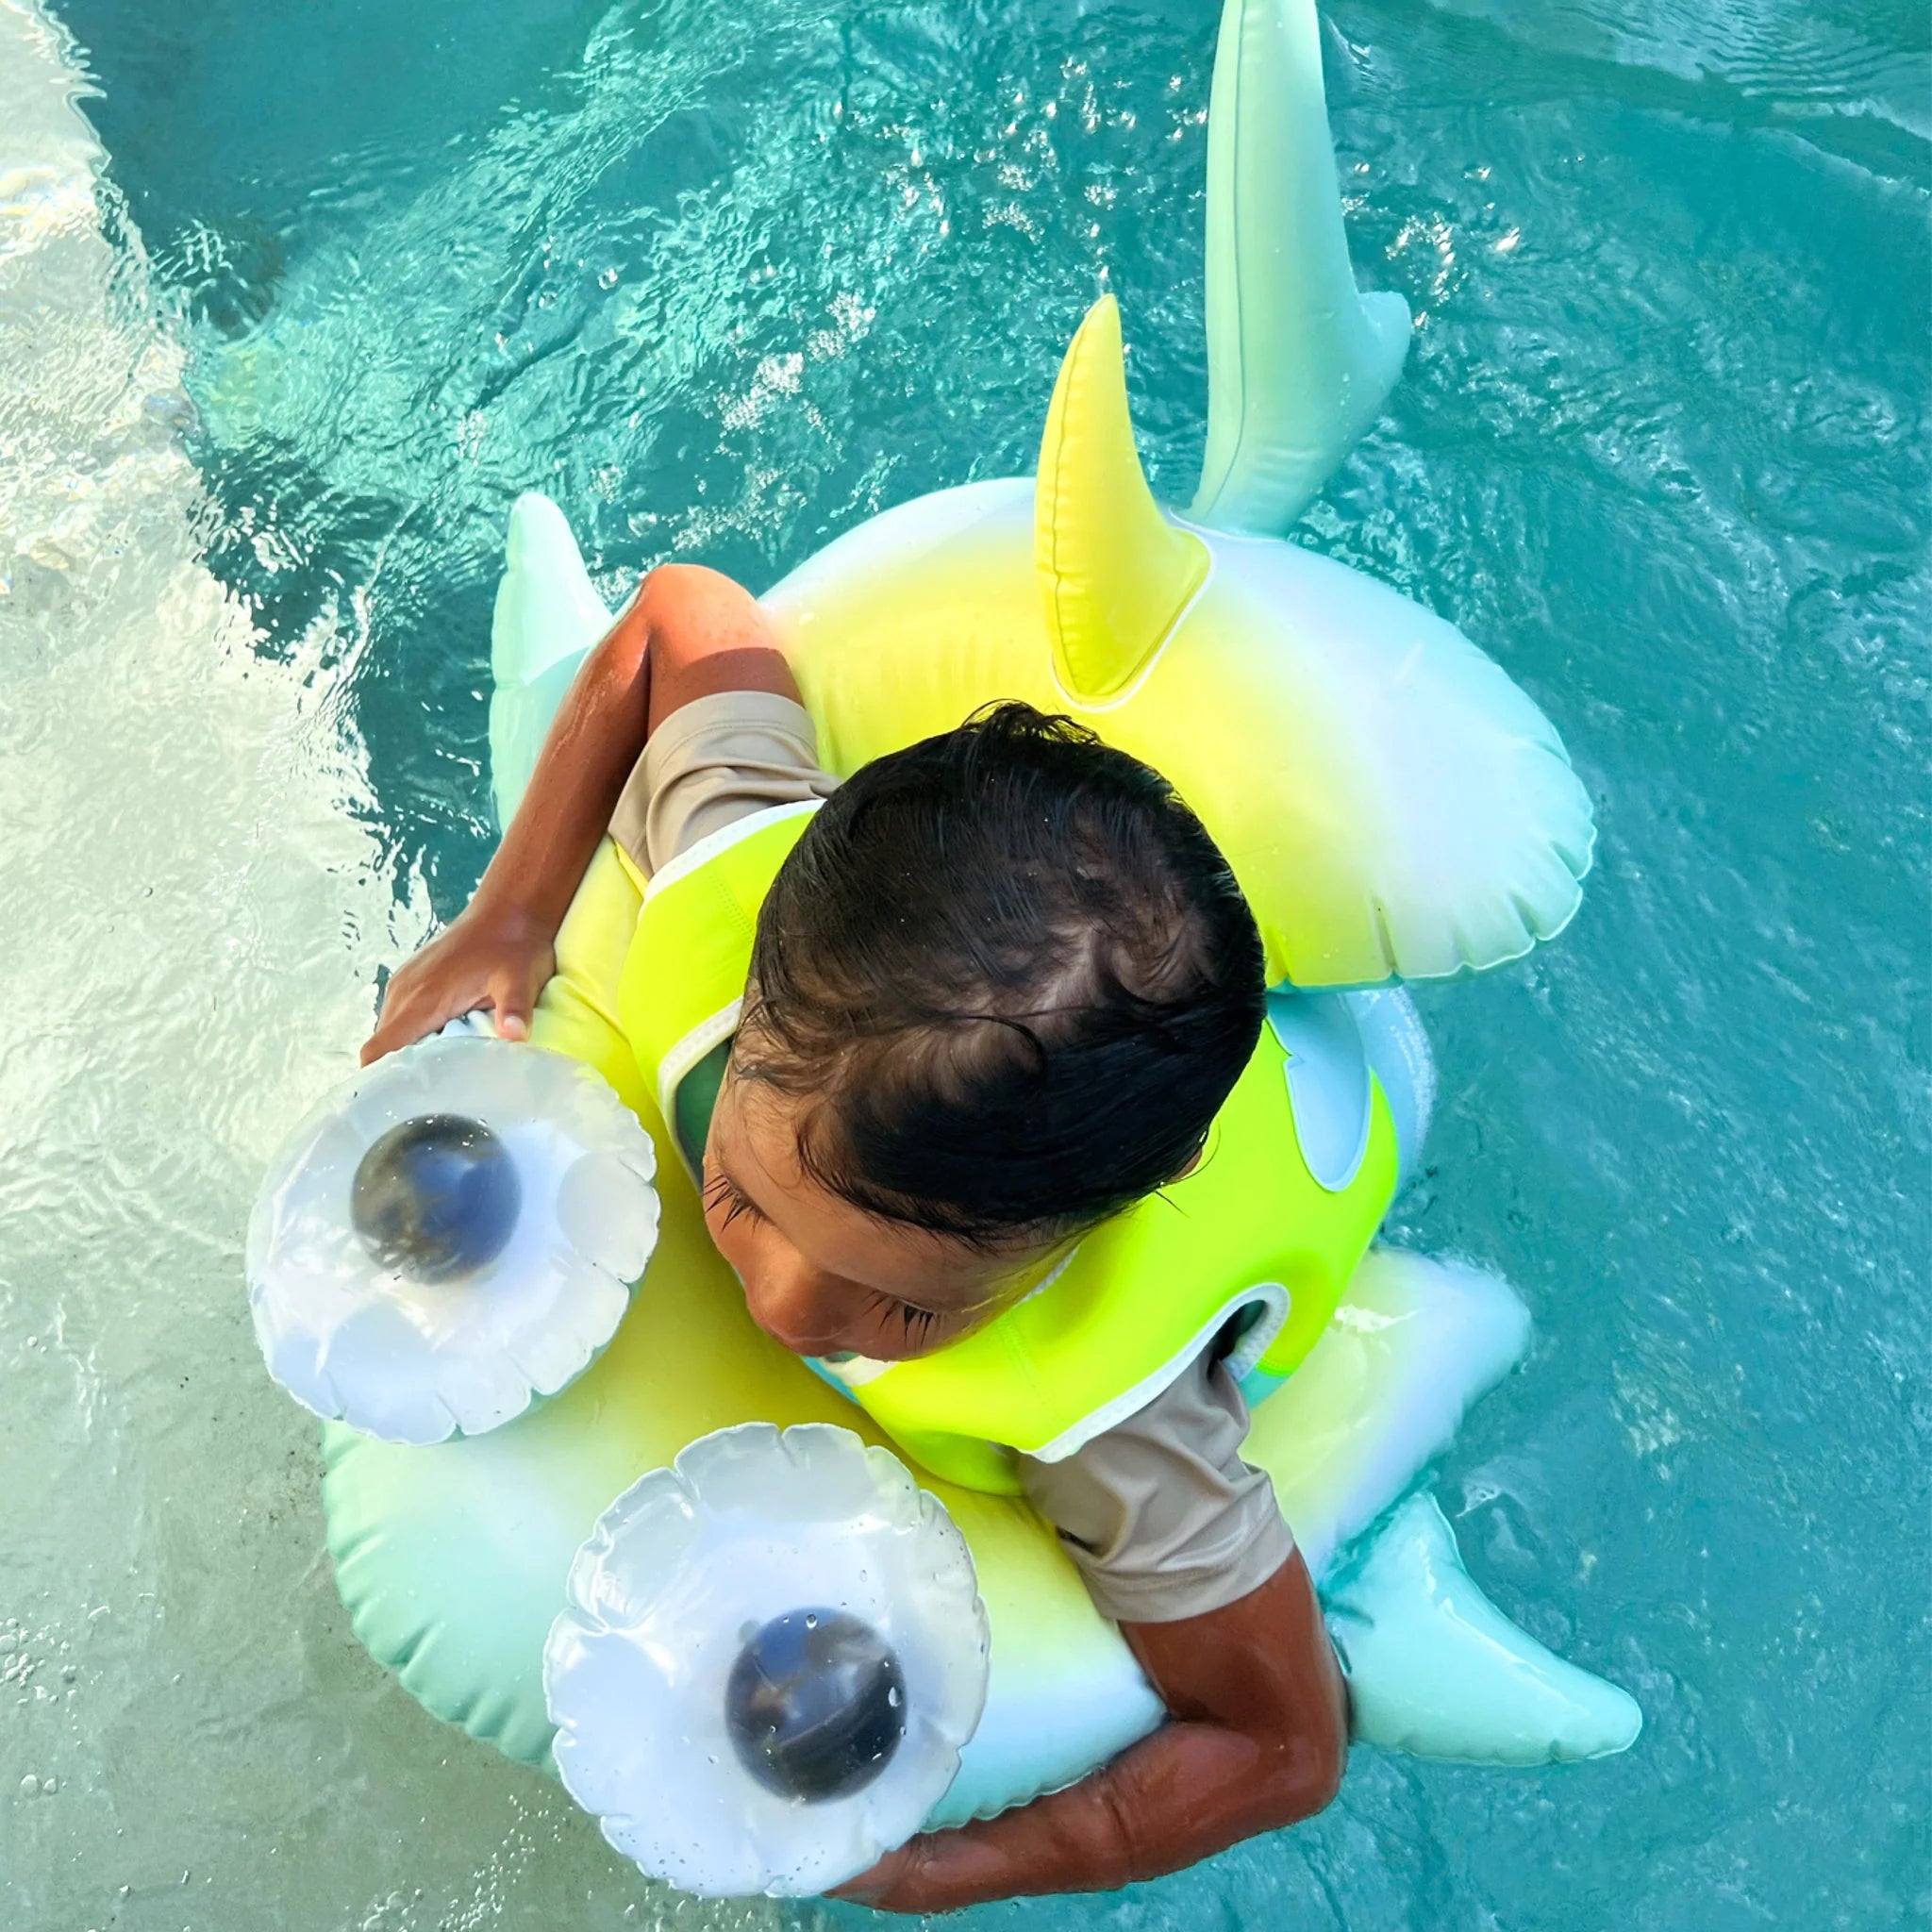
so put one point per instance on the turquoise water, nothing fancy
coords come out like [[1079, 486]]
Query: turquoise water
[[724, 280]]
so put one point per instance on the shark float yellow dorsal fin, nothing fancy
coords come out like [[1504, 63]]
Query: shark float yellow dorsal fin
[[1115, 573]]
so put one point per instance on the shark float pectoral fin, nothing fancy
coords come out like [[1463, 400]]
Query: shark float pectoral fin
[[1435, 1669], [548, 616], [1116, 574], [1299, 362]]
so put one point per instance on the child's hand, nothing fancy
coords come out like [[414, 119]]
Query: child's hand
[[498, 958]]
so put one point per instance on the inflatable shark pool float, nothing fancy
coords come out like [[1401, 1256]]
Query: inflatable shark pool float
[[1394, 808]]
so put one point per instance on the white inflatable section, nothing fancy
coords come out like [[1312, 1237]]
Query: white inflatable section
[[416, 1362], [1484, 833], [1399, 1051], [751, 1524], [548, 614], [1414, 1342], [1436, 1670]]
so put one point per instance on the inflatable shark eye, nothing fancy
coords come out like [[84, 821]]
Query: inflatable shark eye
[[772, 1655], [815, 1705], [436, 1198], [451, 1235]]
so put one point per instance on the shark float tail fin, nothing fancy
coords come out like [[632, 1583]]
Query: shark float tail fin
[[548, 615], [1299, 362], [1116, 574]]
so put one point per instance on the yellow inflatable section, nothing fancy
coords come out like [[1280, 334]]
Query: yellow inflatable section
[[1392, 804]]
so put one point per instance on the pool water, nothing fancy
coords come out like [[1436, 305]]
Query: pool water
[[313, 291]]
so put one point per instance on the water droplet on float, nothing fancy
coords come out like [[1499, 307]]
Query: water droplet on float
[[811, 1620], [607, 279], [30, 1785]]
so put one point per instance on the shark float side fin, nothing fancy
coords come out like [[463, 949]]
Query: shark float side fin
[[1299, 363], [1116, 574], [1435, 1669], [548, 615]]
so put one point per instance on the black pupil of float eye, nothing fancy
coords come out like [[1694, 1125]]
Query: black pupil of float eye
[[436, 1198], [815, 1705]]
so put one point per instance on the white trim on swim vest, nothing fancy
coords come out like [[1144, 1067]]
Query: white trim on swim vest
[[854, 1371], [684, 1053], [723, 840], [1271, 1296], [684, 1056], [1053, 1274]]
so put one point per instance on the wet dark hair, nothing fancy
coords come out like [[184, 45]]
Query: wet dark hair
[[1011, 976]]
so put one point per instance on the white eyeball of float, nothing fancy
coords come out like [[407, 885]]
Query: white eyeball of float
[[771, 1657], [452, 1234]]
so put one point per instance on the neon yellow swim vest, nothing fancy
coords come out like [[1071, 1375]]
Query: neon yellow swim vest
[[1254, 1237]]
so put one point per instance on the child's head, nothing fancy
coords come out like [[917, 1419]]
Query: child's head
[[999, 991]]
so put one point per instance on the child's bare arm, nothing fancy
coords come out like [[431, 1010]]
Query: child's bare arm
[[1258, 1739], [689, 632]]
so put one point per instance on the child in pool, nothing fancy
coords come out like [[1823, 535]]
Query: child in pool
[[934, 1093]]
